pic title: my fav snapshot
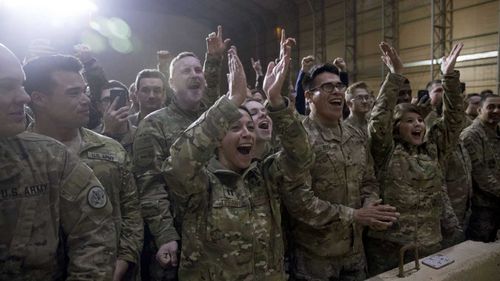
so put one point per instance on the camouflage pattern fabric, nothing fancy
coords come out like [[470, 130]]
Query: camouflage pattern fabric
[[110, 163], [483, 145], [232, 222], [52, 208], [152, 142], [410, 177]]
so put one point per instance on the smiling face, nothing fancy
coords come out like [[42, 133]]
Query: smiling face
[[12, 95], [236, 150], [412, 128], [263, 123], [326, 105], [489, 112]]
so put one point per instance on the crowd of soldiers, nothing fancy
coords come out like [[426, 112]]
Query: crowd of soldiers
[[185, 182]]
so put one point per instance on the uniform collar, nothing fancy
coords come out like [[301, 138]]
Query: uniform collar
[[89, 140], [491, 133], [226, 175], [10, 158]]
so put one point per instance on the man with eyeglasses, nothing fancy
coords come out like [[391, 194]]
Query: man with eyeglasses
[[343, 175], [359, 99]]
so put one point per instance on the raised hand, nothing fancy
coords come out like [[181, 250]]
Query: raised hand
[[276, 76], [307, 63], [285, 43], [340, 64], [215, 44], [167, 254], [164, 57], [448, 62], [391, 58], [236, 78], [257, 67]]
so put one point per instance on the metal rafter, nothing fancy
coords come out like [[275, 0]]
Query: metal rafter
[[498, 54], [390, 26], [350, 37], [320, 30], [441, 32]]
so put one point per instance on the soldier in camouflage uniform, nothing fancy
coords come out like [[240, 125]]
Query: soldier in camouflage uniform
[[342, 175], [482, 140], [54, 214], [359, 99], [195, 89], [61, 109], [230, 204], [409, 168]]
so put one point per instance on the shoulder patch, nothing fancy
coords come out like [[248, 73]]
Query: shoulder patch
[[96, 197]]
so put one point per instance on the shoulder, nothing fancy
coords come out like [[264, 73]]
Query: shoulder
[[40, 144], [110, 150]]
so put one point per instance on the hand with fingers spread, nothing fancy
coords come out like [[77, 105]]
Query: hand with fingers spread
[[167, 254], [448, 62], [237, 79], [340, 64], [115, 121], [391, 58], [376, 216], [307, 63], [275, 78], [285, 43], [215, 44], [257, 67]]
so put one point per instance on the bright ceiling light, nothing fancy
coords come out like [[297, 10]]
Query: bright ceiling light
[[54, 7]]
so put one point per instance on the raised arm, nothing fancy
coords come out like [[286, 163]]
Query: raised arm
[[380, 124], [216, 47], [446, 133]]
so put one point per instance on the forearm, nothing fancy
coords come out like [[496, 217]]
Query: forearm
[[297, 150], [190, 153], [212, 72], [132, 230], [380, 124], [453, 112]]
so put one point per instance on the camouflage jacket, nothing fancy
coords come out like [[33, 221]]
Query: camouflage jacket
[[457, 171], [232, 222], [110, 164], [54, 214], [152, 142], [483, 145], [410, 177], [343, 175], [360, 129]]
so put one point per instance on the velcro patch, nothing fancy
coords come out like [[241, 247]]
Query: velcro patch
[[96, 197], [101, 156]]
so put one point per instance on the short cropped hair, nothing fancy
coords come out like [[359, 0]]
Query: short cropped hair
[[485, 96], [39, 71], [431, 83], [349, 93], [487, 91], [307, 82], [149, 73], [179, 57]]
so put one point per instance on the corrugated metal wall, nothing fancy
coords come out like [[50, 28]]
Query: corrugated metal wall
[[475, 22]]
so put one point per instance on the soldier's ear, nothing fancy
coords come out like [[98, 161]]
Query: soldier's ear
[[38, 99], [308, 95]]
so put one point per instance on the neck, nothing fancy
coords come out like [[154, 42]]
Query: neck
[[188, 106], [330, 123], [62, 134], [358, 118]]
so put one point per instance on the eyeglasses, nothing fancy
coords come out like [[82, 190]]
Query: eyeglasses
[[330, 87], [362, 98]]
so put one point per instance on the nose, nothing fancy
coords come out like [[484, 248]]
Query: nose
[[85, 99], [22, 97]]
